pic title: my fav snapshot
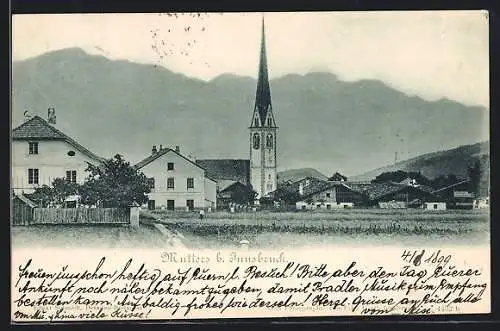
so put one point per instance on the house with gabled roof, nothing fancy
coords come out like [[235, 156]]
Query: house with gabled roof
[[313, 193], [41, 153], [458, 195], [337, 177], [399, 195], [177, 182]]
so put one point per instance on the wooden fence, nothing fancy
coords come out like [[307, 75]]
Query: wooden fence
[[72, 216], [21, 214]]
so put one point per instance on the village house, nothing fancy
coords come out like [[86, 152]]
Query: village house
[[390, 195], [41, 153], [457, 196], [234, 194], [481, 203], [436, 205], [313, 193], [334, 195], [289, 192], [337, 177], [176, 182], [233, 181]]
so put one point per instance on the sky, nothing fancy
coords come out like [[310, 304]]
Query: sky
[[432, 54]]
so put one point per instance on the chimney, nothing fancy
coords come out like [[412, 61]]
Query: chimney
[[154, 149], [51, 115], [177, 149]]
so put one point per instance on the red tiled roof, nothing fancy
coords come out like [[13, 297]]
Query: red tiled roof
[[39, 129]]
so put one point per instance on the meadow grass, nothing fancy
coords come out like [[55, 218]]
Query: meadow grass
[[349, 222]]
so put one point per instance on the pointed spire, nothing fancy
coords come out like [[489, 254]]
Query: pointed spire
[[263, 94]]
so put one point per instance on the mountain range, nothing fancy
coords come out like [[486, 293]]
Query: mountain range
[[117, 106], [454, 161]]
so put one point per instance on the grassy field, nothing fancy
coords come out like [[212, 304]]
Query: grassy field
[[363, 226], [275, 230]]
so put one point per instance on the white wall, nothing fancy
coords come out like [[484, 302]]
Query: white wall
[[183, 169], [265, 156], [210, 193], [52, 161], [431, 205]]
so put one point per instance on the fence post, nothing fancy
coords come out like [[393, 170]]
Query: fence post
[[134, 216]]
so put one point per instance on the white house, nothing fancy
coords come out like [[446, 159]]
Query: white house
[[434, 205], [177, 183], [41, 153], [480, 203]]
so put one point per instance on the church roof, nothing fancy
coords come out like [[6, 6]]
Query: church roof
[[39, 129], [227, 169], [263, 93]]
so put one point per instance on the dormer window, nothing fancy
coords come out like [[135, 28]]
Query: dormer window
[[269, 122], [256, 122], [33, 147]]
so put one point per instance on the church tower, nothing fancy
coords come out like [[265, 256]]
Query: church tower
[[263, 175]]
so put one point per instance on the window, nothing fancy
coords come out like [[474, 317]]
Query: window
[[435, 206], [170, 166], [33, 147], [269, 187], [190, 183], [33, 176], [151, 183], [151, 205], [269, 122], [256, 141], [328, 194], [256, 122], [269, 141], [71, 153], [170, 204], [71, 176], [170, 182], [190, 204]]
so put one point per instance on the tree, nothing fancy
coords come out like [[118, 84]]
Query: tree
[[474, 172], [444, 181], [43, 196], [56, 193], [114, 183], [62, 188], [400, 175]]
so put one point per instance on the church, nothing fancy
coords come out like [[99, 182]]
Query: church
[[258, 173]]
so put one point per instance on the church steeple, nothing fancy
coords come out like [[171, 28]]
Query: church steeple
[[263, 94], [263, 140]]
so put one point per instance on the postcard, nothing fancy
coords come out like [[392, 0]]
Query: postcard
[[174, 166]]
